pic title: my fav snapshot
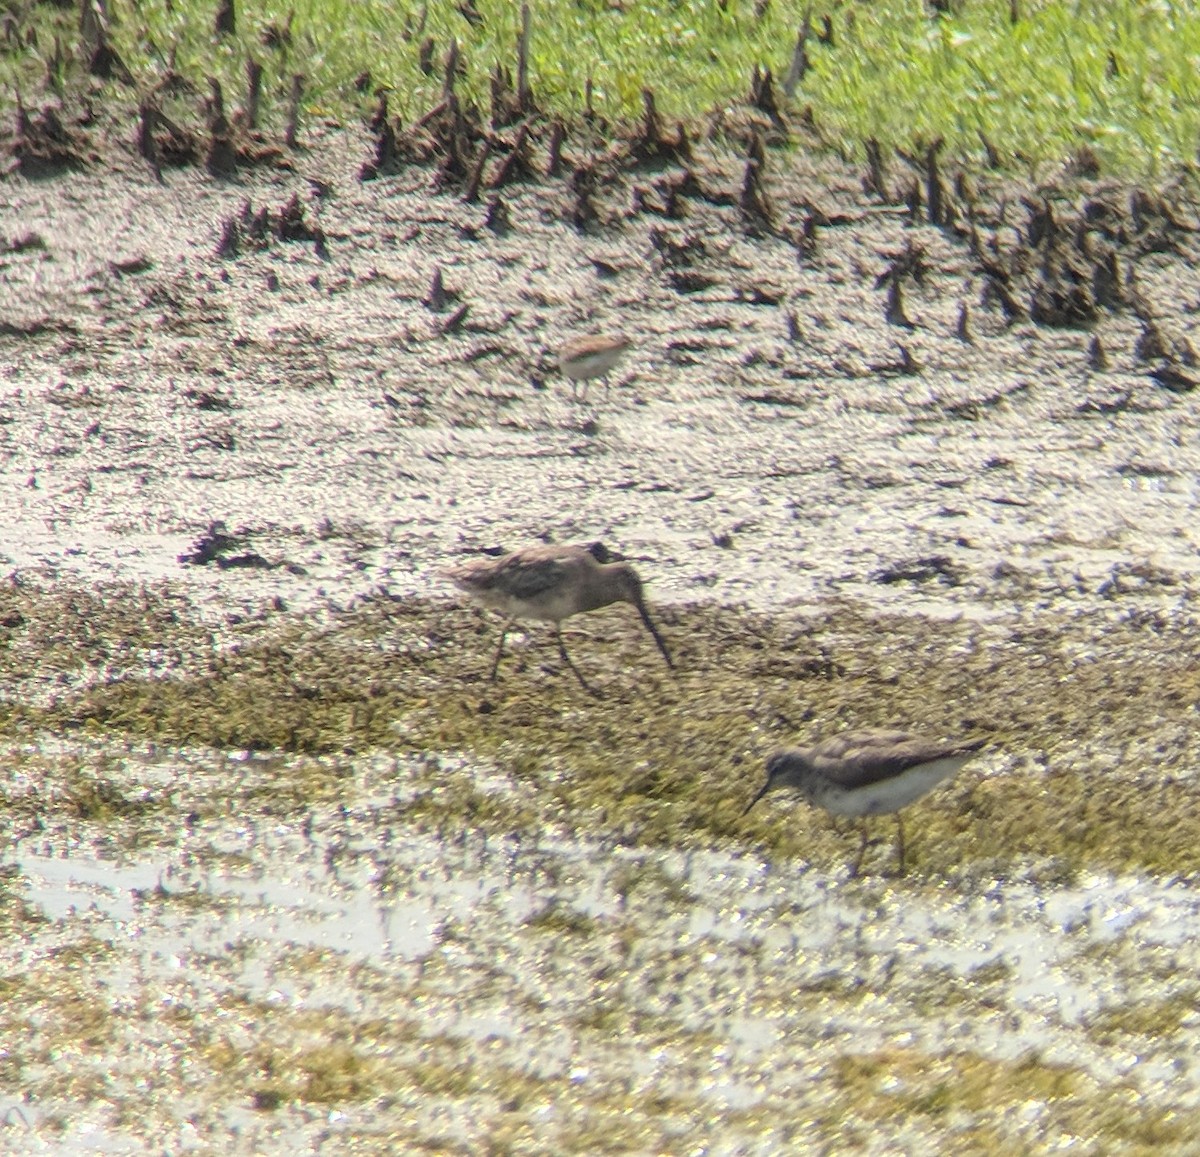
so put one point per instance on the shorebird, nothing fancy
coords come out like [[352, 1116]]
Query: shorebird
[[593, 356], [867, 773], [551, 583]]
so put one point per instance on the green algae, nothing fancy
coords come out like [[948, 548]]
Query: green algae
[[560, 921], [1091, 765], [91, 796], [1089, 719], [894, 1084], [1158, 1019], [51, 640], [316, 1073], [359, 1041]]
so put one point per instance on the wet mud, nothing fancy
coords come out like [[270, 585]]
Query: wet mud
[[285, 869]]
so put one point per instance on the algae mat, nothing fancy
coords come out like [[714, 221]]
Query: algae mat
[[327, 887], [284, 871]]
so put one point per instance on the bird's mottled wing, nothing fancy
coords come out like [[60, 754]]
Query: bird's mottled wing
[[528, 575], [861, 758]]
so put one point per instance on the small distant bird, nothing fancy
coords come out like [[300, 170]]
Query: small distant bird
[[593, 356], [867, 773], [551, 583]]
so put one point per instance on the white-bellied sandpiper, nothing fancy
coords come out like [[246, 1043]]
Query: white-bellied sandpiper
[[592, 356], [867, 772]]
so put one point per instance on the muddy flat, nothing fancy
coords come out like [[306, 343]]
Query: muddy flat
[[285, 871]]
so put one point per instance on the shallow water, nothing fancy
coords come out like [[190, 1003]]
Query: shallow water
[[578, 974], [265, 953]]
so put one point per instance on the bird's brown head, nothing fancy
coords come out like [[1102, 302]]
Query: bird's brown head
[[629, 583]]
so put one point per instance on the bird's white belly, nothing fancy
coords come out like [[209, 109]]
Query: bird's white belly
[[549, 607], [892, 794], [589, 366]]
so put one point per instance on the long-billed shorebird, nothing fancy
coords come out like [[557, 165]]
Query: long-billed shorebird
[[551, 583], [592, 356], [867, 773]]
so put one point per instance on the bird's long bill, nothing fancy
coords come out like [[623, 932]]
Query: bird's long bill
[[761, 792], [654, 631]]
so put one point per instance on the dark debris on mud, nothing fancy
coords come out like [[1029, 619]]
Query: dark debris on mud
[[1002, 254], [1059, 254], [321, 437]]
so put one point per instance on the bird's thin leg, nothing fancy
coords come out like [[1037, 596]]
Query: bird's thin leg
[[562, 650], [900, 844], [862, 850], [499, 649]]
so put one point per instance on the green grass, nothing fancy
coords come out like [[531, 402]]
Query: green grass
[[1116, 77]]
